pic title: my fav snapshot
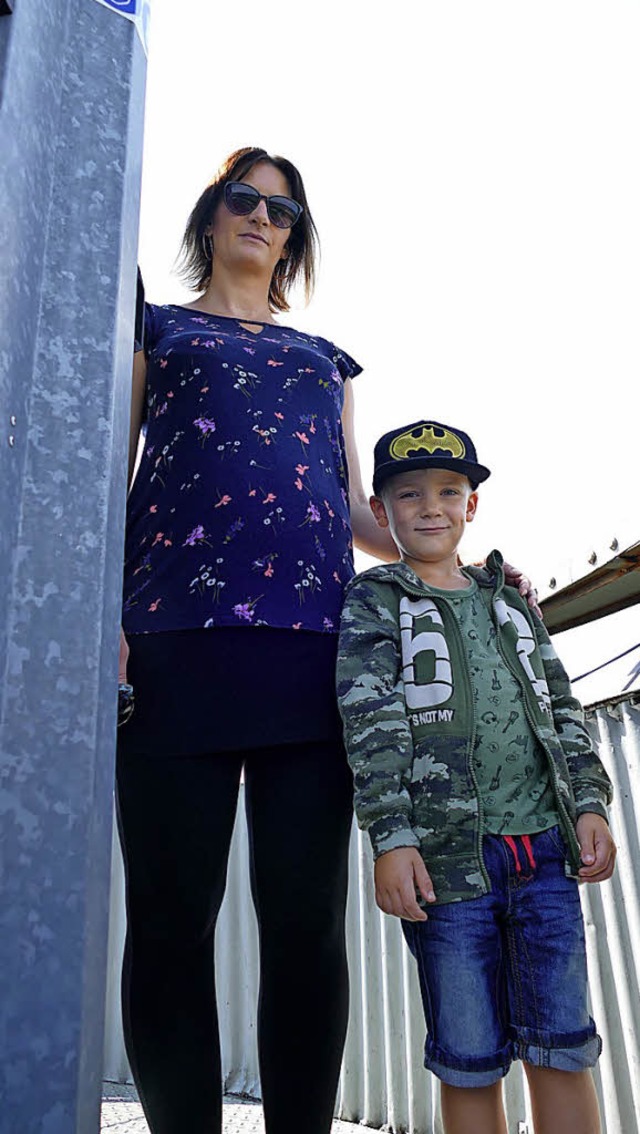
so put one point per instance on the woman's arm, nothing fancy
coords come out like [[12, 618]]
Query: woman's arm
[[138, 393], [367, 536]]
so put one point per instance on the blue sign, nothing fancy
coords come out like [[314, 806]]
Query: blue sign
[[135, 10], [126, 6]]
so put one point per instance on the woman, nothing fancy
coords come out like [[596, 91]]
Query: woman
[[239, 543]]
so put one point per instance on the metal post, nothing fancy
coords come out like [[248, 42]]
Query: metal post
[[71, 113]]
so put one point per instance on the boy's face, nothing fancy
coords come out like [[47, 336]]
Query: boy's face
[[426, 511]]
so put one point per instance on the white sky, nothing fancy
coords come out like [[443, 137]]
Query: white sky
[[474, 172]]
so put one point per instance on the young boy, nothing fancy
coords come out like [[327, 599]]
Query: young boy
[[481, 792]]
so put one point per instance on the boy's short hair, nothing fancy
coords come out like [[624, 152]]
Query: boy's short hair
[[426, 445]]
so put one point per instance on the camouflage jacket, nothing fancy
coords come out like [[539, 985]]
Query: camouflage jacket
[[406, 700]]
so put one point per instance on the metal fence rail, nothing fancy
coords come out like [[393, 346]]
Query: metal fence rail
[[383, 1082]]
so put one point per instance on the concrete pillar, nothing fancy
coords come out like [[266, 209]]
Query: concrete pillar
[[72, 76]]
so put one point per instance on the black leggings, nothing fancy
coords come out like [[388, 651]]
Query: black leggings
[[176, 818]]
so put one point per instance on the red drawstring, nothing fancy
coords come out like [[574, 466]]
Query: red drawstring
[[526, 842], [513, 847]]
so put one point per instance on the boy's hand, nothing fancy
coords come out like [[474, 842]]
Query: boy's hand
[[398, 875], [524, 586], [597, 848]]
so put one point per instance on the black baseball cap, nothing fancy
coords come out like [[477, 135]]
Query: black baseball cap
[[425, 445]]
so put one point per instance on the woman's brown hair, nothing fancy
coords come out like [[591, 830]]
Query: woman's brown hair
[[302, 244]]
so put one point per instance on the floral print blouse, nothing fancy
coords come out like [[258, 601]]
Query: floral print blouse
[[239, 511]]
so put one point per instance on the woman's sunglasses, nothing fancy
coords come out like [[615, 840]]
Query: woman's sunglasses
[[242, 199]]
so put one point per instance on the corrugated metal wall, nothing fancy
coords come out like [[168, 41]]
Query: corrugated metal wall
[[383, 1083], [612, 914]]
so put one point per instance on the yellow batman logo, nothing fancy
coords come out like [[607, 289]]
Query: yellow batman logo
[[426, 441]]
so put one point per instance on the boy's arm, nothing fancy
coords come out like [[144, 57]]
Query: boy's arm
[[376, 729], [591, 785]]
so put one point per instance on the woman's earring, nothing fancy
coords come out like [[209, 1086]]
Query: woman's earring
[[206, 246]]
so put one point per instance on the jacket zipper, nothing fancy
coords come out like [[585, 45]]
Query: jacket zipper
[[480, 823], [565, 818], [471, 746]]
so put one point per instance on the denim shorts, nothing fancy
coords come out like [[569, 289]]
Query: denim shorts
[[504, 976]]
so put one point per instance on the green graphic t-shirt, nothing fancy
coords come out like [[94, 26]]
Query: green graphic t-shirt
[[509, 765]]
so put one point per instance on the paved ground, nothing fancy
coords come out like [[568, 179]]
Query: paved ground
[[122, 1114]]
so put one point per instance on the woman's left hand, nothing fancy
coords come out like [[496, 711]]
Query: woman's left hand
[[523, 585]]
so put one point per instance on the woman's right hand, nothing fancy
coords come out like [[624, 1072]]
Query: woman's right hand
[[123, 659], [125, 691]]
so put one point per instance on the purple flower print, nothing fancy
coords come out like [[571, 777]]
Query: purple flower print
[[145, 564], [313, 514], [243, 611], [322, 555], [233, 530], [196, 537], [327, 624], [206, 427], [333, 440]]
